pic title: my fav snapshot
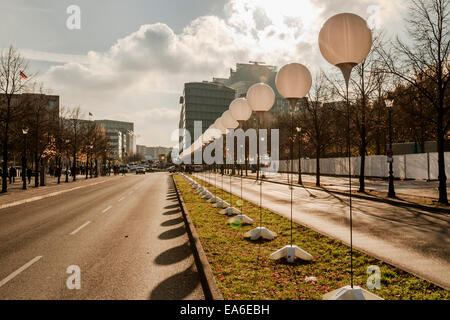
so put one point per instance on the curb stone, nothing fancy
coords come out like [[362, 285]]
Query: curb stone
[[207, 279]]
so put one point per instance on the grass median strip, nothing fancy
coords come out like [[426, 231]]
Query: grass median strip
[[243, 270]]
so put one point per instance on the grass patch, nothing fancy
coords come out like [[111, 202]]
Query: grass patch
[[244, 271]]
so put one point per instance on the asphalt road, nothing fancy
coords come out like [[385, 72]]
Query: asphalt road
[[414, 240], [126, 235]]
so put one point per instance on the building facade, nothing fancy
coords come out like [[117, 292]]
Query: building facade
[[122, 137], [205, 102], [247, 74]]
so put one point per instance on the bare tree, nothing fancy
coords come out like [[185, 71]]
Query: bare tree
[[12, 73], [424, 64], [316, 119]]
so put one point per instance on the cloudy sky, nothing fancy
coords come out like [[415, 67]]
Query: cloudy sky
[[129, 59]]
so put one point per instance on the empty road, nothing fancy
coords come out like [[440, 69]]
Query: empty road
[[126, 237]]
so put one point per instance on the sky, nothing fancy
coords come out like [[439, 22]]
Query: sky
[[128, 60]]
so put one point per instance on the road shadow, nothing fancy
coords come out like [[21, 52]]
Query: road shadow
[[174, 255], [178, 286], [173, 233], [171, 212], [172, 222], [172, 206]]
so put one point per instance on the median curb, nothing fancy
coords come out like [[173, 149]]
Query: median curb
[[207, 279], [366, 197]]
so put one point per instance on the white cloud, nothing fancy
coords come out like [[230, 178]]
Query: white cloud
[[141, 76]]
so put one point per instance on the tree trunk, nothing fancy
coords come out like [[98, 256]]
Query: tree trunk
[[36, 170], [441, 160], [318, 167]]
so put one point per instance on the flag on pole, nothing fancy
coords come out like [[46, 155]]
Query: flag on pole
[[90, 114], [22, 75]]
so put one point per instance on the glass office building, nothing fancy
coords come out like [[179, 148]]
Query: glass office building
[[247, 74], [203, 101]]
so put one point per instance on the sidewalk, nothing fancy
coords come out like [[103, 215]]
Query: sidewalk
[[17, 194], [420, 192]]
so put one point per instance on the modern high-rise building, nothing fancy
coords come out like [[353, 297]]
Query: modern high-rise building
[[122, 137], [247, 74], [203, 101]]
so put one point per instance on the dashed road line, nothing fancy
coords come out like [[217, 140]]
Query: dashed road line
[[18, 271], [81, 227], [106, 209]]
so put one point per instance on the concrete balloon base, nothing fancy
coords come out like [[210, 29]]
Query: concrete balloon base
[[230, 211], [207, 196], [349, 293], [290, 253], [221, 204], [260, 232], [214, 199], [241, 219]]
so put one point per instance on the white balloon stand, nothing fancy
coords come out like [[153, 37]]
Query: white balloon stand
[[221, 204], [214, 199], [349, 293], [260, 232], [240, 219], [207, 196], [230, 211], [291, 252]]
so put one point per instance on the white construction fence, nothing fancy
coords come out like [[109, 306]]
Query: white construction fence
[[411, 166]]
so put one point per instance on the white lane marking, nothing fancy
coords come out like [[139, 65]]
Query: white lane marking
[[121, 199], [106, 209], [81, 227], [56, 193], [21, 269]]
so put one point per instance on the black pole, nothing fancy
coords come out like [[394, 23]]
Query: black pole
[[391, 192], [24, 164], [293, 103], [260, 114], [350, 186], [300, 157]]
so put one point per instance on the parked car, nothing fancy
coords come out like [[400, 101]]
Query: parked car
[[123, 169], [172, 169], [140, 170]]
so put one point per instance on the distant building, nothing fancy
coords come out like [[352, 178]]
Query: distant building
[[203, 101], [152, 153], [122, 137], [247, 74]]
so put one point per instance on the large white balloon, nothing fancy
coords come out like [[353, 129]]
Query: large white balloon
[[260, 97], [345, 39], [240, 109], [293, 81], [228, 121]]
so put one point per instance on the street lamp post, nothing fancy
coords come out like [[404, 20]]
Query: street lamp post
[[24, 159], [67, 164], [391, 191]]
